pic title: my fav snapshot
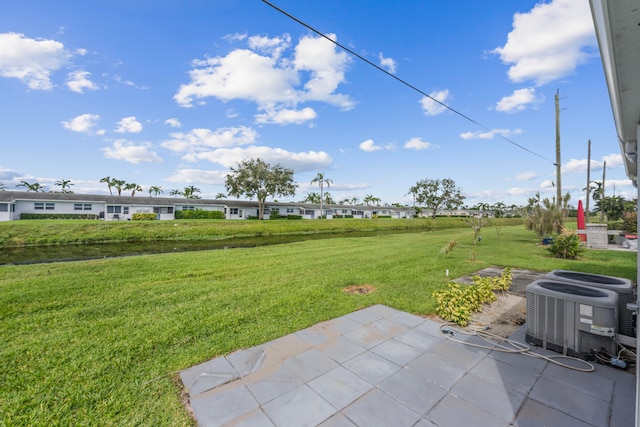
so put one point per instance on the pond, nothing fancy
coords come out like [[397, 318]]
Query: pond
[[59, 253]]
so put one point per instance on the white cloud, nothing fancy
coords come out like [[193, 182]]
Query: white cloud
[[490, 134], [83, 123], [580, 165], [327, 67], [614, 160], [284, 116], [198, 176], [9, 174], [519, 100], [526, 176], [173, 122], [549, 42], [417, 143], [270, 81], [299, 162], [78, 81], [122, 149], [31, 60], [547, 184], [274, 47], [205, 139], [432, 104], [129, 125], [388, 64], [369, 146]]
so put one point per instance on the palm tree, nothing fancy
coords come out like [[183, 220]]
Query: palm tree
[[118, 184], [321, 180], [175, 192], [190, 192], [35, 187], [355, 200], [155, 190], [369, 199], [107, 180], [65, 186], [220, 196], [312, 197], [133, 187], [3, 187], [328, 199]]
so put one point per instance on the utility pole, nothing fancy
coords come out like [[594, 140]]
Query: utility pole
[[604, 172], [588, 178], [558, 161]]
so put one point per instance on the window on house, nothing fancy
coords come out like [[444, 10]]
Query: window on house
[[291, 210], [82, 206], [4, 207], [188, 208], [41, 206], [114, 209], [126, 210]]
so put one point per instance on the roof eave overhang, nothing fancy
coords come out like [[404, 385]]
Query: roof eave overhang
[[618, 32]]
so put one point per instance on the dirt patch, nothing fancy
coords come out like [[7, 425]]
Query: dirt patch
[[504, 315], [359, 289]]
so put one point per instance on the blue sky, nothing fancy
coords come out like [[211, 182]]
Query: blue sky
[[172, 93]]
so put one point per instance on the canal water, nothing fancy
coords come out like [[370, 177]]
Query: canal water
[[58, 253]]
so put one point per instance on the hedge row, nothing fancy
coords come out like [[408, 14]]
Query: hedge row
[[199, 214], [57, 216]]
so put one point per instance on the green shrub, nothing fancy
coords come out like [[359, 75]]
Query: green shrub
[[57, 216], [457, 303], [631, 222], [294, 217], [144, 216], [199, 214], [274, 214], [566, 245]]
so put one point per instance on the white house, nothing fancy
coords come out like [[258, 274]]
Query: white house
[[112, 208]]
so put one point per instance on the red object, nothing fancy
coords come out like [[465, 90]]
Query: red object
[[581, 222]]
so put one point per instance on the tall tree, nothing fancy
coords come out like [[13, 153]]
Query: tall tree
[[65, 186], [312, 197], [133, 187], [119, 185], [436, 194], [35, 187], [155, 190], [175, 192], [3, 186], [256, 178], [190, 192], [321, 180], [220, 196], [109, 181]]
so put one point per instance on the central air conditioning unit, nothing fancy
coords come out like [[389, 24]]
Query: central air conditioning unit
[[623, 287], [571, 319]]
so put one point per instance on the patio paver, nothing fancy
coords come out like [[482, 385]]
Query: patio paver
[[382, 367]]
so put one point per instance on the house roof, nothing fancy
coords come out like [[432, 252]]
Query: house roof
[[11, 196], [617, 24]]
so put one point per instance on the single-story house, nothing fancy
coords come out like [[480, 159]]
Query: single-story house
[[108, 207]]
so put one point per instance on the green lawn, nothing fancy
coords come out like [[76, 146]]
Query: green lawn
[[100, 342]]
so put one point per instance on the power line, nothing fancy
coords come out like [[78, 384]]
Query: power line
[[404, 82]]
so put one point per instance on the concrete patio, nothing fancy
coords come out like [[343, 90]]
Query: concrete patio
[[383, 367]]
